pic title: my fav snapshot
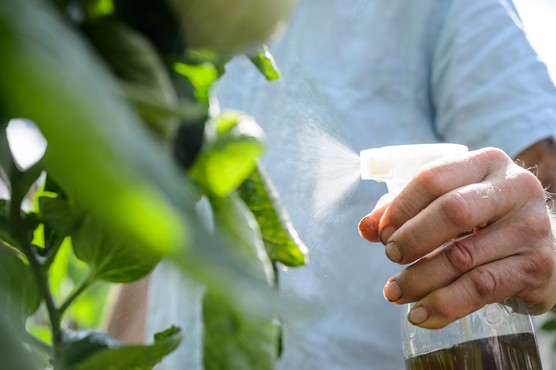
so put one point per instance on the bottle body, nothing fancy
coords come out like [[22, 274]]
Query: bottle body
[[499, 336]]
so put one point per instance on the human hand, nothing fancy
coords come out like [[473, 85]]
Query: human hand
[[477, 228]]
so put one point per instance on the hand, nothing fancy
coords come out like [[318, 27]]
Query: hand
[[478, 230]]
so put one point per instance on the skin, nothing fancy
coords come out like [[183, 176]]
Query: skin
[[479, 225]]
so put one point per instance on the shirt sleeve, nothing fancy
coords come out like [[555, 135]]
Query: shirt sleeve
[[488, 86]]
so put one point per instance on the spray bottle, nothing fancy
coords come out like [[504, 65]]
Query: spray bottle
[[499, 336]]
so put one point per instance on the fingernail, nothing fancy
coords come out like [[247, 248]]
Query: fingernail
[[393, 252], [418, 315], [361, 227], [392, 291], [361, 222], [385, 234]]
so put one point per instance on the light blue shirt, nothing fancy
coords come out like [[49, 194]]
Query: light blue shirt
[[369, 74]]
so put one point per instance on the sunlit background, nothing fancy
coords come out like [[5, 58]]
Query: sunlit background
[[539, 19]]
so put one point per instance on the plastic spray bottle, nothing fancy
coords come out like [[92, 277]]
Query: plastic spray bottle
[[499, 336]]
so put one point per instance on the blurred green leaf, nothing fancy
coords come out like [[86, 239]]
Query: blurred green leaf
[[232, 147], [77, 346], [202, 76], [4, 214], [57, 218], [7, 163], [280, 238], [237, 341], [151, 105], [112, 257], [13, 353], [134, 357], [98, 8], [265, 63], [549, 325], [76, 106], [20, 296], [236, 224]]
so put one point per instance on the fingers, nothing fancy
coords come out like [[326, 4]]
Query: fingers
[[447, 264], [413, 226], [485, 284]]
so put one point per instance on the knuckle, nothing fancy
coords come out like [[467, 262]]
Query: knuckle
[[430, 179], [529, 183], [458, 256], [484, 283], [539, 264], [494, 155], [458, 209], [438, 307], [535, 224]]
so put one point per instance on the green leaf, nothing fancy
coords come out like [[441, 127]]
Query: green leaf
[[237, 341], [13, 353], [20, 294], [57, 218], [77, 346], [4, 214], [236, 224], [112, 257], [98, 151], [265, 63], [134, 357], [233, 145], [280, 238], [202, 76], [7, 162], [151, 105], [234, 339]]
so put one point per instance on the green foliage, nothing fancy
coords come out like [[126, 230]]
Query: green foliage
[[133, 142], [108, 133], [19, 303], [237, 341], [233, 144], [280, 238], [111, 257], [12, 350], [265, 63], [134, 357]]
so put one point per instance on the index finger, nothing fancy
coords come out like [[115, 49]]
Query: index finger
[[436, 179]]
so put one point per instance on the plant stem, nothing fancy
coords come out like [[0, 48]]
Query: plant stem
[[19, 233], [69, 300]]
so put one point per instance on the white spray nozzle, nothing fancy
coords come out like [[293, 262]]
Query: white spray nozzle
[[397, 165]]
